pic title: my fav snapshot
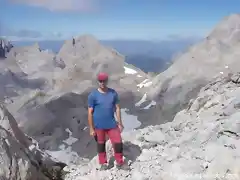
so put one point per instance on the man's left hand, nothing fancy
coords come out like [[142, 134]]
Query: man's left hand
[[120, 126]]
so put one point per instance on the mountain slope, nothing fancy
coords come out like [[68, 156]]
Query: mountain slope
[[217, 54], [20, 156]]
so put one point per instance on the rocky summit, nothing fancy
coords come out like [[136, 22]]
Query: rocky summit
[[181, 124]]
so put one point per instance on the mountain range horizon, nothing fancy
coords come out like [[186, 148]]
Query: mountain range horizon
[[150, 56]]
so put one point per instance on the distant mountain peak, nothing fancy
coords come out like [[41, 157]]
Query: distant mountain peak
[[228, 30], [5, 47]]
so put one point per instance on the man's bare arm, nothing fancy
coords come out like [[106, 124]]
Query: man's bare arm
[[118, 114], [90, 118]]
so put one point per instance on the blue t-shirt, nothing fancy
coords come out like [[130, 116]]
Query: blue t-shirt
[[104, 107]]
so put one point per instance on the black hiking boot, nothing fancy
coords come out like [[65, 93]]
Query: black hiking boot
[[103, 167]]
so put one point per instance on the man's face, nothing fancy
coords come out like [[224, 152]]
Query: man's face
[[102, 83]]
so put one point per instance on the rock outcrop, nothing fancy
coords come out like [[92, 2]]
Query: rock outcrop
[[14, 84], [5, 47], [20, 156], [216, 54], [201, 142], [34, 63]]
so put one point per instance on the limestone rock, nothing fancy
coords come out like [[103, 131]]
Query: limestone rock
[[217, 54], [236, 78], [20, 158], [155, 137], [5, 47]]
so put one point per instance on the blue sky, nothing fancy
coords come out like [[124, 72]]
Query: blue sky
[[112, 19]]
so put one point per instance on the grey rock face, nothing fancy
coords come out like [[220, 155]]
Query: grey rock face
[[227, 31], [20, 158], [217, 54], [5, 47], [15, 84], [89, 56]]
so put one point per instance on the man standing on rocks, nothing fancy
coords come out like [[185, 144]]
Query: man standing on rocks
[[103, 102]]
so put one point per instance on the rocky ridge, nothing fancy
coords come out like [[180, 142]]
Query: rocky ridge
[[5, 47], [201, 142], [20, 156]]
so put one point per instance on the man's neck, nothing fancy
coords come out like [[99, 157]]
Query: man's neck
[[103, 90]]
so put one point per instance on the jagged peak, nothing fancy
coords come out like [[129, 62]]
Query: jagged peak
[[5, 47], [3, 41], [87, 42], [87, 47], [85, 39], [228, 30], [79, 45]]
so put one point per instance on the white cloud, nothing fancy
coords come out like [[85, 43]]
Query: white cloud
[[28, 35], [62, 5]]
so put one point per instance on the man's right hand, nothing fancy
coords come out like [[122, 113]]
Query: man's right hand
[[92, 132]]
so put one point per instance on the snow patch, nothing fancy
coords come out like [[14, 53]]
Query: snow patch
[[145, 83], [130, 122], [70, 139], [139, 75], [148, 84], [152, 103], [144, 98], [65, 155], [129, 70], [31, 147], [65, 152]]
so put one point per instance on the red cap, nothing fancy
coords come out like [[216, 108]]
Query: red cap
[[102, 76]]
